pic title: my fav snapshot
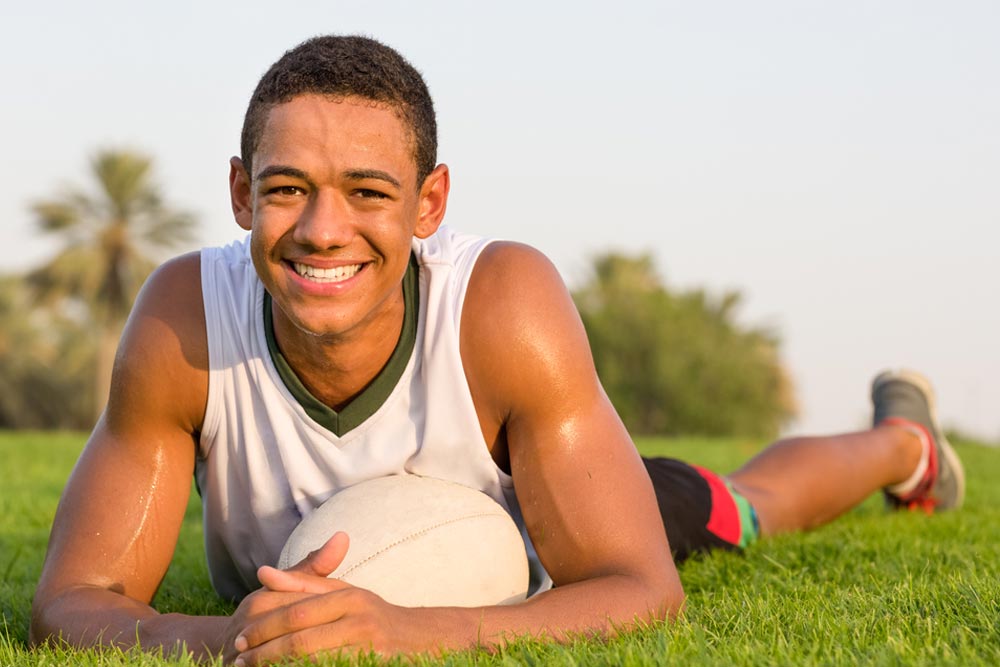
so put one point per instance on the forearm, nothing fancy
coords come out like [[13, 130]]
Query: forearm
[[93, 617], [598, 607]]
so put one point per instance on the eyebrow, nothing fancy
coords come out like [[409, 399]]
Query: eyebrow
[[282, 170], [353, 174], [362, 174]]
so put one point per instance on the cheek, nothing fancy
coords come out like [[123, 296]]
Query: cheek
[[260, 247], [267, 230]]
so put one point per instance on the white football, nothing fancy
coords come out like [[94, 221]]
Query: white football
[[419, 542]]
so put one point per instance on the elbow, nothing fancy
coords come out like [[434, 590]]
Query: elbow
[[47, 611], [669, 596], [35, 640], [673, 604], [41, 628], [37, 633]]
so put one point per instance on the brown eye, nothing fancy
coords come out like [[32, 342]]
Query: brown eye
[[365, 193], [286, 190]]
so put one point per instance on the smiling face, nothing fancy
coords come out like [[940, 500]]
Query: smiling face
[[332, 207]]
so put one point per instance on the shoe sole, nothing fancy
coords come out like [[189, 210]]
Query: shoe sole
[[924, 385]]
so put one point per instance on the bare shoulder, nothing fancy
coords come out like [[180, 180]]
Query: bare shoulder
[[516, 262], [512, 280], [161, 368], [173, 290], [522, 338]]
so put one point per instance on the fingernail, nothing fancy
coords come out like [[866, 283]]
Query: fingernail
[[239, 663], [241, 644]]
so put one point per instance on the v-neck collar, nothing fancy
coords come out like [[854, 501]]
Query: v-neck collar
[[365, 404]]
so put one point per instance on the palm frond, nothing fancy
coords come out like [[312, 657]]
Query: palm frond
[[108, 234], [124, 178], [74, 273], [170, 229], [55, 215]]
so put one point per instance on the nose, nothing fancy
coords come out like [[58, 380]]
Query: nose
[[325, 222]]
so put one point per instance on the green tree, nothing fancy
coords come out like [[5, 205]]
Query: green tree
[[110, 236], [680, 363], [46, 363]]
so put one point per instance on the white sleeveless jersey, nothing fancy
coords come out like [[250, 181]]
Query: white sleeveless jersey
[[264, 463]]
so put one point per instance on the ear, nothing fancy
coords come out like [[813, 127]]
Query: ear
[[433, 201], [239, 193]]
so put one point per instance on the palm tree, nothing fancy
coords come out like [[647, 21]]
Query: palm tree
[[110, 237]]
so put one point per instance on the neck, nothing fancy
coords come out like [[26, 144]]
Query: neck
[[337, 368]]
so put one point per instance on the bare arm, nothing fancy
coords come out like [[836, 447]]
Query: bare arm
[[584, 493], [118, 520]]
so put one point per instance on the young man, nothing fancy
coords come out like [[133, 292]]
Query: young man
[[352, 337]]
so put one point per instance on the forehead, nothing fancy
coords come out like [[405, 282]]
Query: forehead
[[347, 133]]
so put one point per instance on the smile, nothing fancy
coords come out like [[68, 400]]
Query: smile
[[334, 275]]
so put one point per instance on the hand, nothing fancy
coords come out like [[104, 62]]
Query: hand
[[300, 612], [317, 566]]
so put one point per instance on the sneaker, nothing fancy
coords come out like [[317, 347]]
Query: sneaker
[[906, 398]]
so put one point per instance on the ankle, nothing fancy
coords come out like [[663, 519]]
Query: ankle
[[910, 454]]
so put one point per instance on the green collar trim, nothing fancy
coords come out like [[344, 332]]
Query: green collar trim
[[365, 404]]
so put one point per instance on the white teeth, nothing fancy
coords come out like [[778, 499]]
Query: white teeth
[[334, 275]]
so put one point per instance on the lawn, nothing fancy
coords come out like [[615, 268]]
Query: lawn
[[872, 588]]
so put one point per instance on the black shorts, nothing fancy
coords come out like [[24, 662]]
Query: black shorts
[[700, 511]]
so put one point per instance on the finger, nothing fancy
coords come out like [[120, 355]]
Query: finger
[[263, 601], [327, 640], [327, 558], [307, 613], [290, 581]]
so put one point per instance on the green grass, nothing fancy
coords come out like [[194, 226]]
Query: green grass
[[871, 588]]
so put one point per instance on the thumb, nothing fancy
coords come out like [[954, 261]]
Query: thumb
[[310, 574], [326, 559]]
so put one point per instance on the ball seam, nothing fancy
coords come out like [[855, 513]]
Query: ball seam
[[412, 536]]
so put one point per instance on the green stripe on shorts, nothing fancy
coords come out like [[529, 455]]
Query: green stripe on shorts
[[749, 525]]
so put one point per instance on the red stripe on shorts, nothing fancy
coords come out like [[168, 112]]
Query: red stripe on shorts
[[724, 521]]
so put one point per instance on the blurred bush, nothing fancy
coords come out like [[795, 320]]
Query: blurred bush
[[678, 362]]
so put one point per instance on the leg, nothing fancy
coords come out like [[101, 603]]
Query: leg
[[801, 483]]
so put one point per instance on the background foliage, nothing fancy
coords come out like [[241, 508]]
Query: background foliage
[[679, 362], [60, 323], [46, 362]]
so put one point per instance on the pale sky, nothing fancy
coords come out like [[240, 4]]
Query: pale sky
[[837, 162]]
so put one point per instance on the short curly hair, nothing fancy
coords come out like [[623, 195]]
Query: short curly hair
[[341, 66]]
